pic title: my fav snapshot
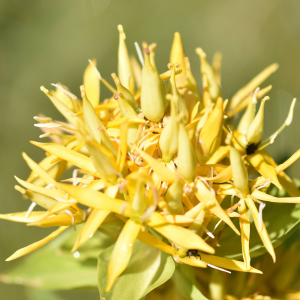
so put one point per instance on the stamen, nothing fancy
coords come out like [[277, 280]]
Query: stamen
[[147, 214], [30, 209], [260, 217], [217, 225], [208, 232], [123, 208], [72, 216], [75, 180], [177, 259], [49, 186], [139, 52], [214, 267], [47, 134], [43, 119], [95, 68], [48, 125], [68, 93], [265, 184]]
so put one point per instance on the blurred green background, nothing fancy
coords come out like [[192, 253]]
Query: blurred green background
[[49, 41]]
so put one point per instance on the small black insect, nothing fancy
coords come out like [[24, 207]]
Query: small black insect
[[193, 252], [251, 148]]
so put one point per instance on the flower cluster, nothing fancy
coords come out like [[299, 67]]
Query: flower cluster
[[160, 156]]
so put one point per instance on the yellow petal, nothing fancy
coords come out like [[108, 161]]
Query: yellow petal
[[93, 222], [265, 197], [266, 170], [263, 232], [245, 233], [164, 173], [288, 162], [123, 147], [193, 261], [98, 200], [130, 119], [63, 109], [221, 153], [21, 216], [153, 241], [36, 168], [52, 193], [227, 263], [252, 85], [122, 252], [179, 220], [91, 83], [205, 196], [181, 236], [217, 59], [38, 244], [224, 176], [73, 157]]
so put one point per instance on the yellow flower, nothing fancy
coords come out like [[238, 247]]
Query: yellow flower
[[161, 161]]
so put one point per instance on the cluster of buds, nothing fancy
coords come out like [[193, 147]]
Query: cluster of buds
[[162, 159]]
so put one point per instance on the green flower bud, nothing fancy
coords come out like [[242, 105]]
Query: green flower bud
[[180, 104], [213, 86], [187, 161], [239, 172], [173, 198], [168, 141], [124, 66], [152, 96]]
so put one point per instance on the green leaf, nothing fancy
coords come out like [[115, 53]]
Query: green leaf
[[53, 267], [281, 221], [185, 284], [147, 269], [163, 274], [34, 294]]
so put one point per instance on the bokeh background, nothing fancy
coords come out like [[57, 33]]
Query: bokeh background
[[49, 41]]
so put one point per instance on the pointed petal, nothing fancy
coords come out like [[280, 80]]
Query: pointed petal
[[153, 241], [21, 216], [266, 170], [38, 244], [205, 196], [191, 261], [181, 236], [71, 156], [98, 200], [227, 263], [164, 173], [265, 197], [245, 233], [122, 252], [263, 232], [224, 176]]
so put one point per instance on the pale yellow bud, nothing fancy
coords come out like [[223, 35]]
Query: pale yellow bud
[[187, 161], [239, 172], [213, 86], [124, 66], [173, 198], [152, 94]]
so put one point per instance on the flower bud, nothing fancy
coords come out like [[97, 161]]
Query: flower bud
[[152, 96], [213, 86], [210, 135], [91, 83], [187, 161], [180, 104], [173, 198], [139, 200], [152, 48], [126, 93], [256, 129], [177, 57], [94, 125], [239, 172], [249, 115], [124, 66], [168, 141]]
